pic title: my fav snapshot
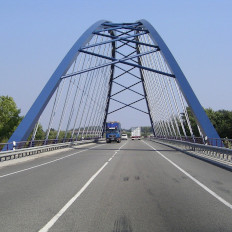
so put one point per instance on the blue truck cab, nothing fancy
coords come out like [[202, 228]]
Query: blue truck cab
[[113, 132]]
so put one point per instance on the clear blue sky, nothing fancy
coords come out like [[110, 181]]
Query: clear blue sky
[[36, 35]]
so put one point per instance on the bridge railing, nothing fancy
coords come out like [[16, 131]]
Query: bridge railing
[[221, 156], [36, 143], [222, 142], [32, 150]]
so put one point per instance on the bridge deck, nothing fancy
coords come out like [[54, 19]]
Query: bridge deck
[[135, 189]]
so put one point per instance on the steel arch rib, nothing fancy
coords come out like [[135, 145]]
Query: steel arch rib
[[25, 127], [198, 111]]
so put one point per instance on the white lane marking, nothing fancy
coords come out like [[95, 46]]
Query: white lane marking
[[194, 179], [73, 199], [36, 166], [70, 202]]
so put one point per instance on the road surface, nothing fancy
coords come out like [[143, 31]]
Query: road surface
[[133, 186]]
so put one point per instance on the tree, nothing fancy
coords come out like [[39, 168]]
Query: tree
[[40, 134], [146, 131], [221, 120], [52, 134], [192, 121], [9, 117]]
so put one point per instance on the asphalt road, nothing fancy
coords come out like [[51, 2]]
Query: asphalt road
[[133, 186]]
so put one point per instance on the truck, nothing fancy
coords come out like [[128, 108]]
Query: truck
[[113, 132], [136, 133]]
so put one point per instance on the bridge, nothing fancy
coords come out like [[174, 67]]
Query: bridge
[[177, 179]]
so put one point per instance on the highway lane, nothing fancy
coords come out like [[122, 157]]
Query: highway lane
[[136, 190]]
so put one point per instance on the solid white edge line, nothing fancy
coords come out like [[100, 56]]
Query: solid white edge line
[[36, 166], [73, 199], [194, 179]]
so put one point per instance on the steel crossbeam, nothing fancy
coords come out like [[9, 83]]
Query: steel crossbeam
[[127, 105], [127, 71], [115, 61], [113, 40], [127, 88]]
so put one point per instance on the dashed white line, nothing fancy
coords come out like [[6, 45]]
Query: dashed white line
[[194, 179], [36, 166], [74, 198]]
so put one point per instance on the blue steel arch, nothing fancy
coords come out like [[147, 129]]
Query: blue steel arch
[[28, 123], [198, 111]]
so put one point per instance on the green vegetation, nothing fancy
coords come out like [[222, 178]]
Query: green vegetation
[[146, 131], [221, 120], [40, 134], [9, 117]]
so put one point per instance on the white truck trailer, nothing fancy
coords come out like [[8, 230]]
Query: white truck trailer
[[136, 133]]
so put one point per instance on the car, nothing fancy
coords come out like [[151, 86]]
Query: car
[[124, 136]]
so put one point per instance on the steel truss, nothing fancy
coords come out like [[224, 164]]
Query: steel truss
[[105, 53]]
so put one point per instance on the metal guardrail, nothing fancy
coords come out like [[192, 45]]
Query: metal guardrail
[[218, 142], [36, 143], [19, 153], [217, 155]]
